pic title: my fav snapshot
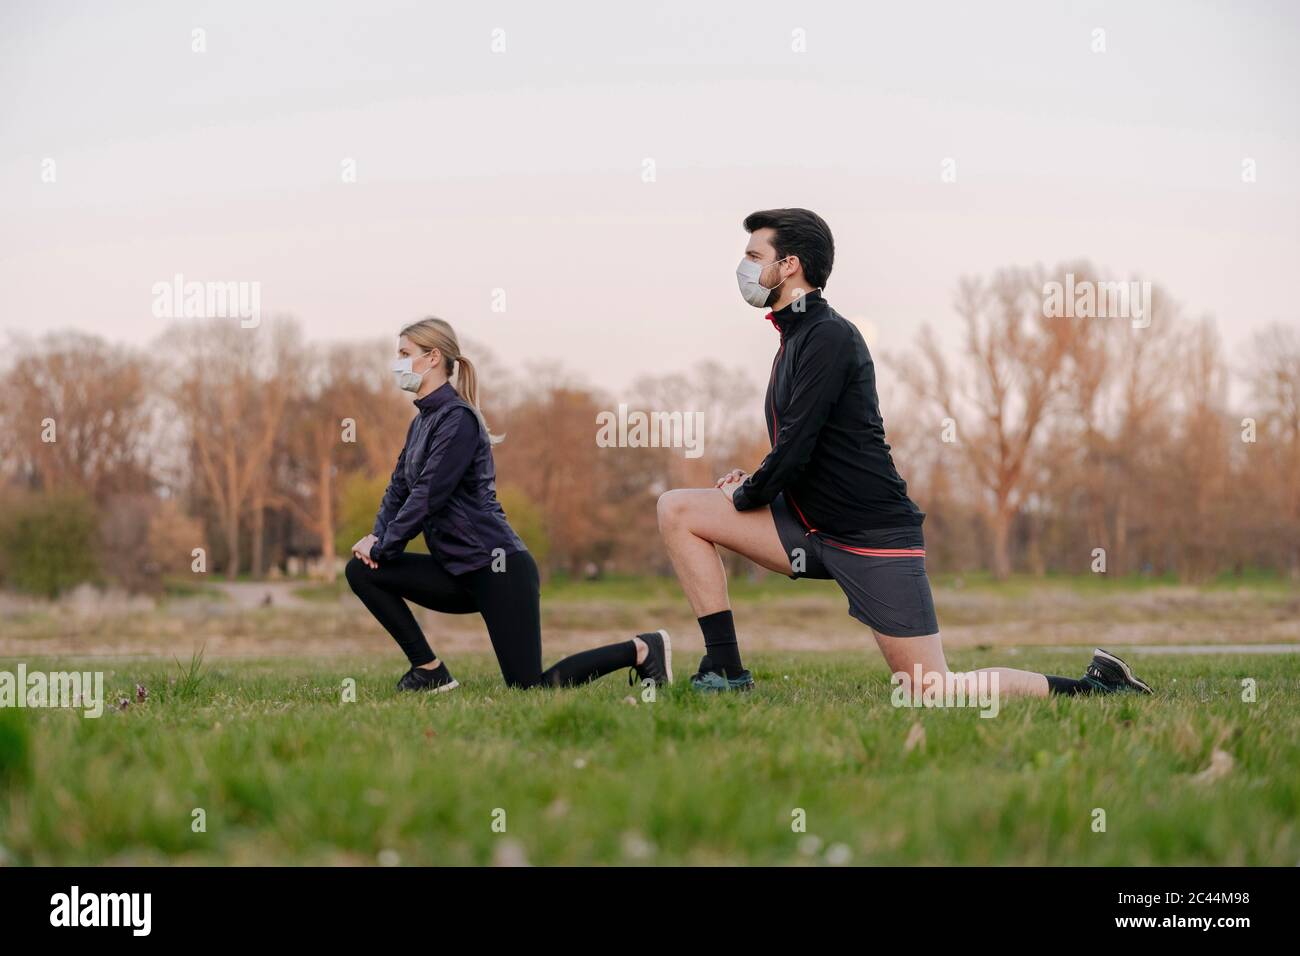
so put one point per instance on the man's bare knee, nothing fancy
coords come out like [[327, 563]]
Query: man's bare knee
[[672, 508]]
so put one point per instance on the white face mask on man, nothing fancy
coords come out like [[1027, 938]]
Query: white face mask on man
[[747, 276], [407, 379]]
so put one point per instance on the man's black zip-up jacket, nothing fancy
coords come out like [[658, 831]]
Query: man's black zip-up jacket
[[445, 485], [829, 453]]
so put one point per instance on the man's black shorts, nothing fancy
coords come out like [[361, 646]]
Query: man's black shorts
[[881, 572]]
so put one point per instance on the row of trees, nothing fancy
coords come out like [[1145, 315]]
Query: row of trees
[[266, 450], [1031, 443], [1057, 437]]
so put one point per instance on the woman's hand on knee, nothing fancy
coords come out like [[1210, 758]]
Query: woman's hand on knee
[[361, 550]]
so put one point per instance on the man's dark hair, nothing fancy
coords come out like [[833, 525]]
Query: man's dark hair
[[802, 233]]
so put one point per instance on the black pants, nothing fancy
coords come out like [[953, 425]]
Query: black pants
[[509, 601]]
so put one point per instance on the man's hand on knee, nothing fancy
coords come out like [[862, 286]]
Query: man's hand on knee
[[729, 486], [735, 474]]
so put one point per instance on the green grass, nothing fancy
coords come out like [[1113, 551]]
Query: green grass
[[623, 588], [178, 586], [745, 587], [1254, 581], [288, 773]]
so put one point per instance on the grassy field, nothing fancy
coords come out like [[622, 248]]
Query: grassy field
[[287, 772]]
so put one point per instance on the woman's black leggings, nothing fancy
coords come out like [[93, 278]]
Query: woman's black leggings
[[509, 601]]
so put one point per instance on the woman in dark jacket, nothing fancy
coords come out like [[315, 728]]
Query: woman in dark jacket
[[444, 485]]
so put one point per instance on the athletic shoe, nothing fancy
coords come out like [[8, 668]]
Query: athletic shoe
[[1108, 674], [711, 682], [437, 681], [658, 664]]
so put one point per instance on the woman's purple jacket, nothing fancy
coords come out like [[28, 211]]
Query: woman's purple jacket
[[445, 485]]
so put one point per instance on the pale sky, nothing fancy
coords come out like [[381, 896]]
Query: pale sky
[[523, 169]]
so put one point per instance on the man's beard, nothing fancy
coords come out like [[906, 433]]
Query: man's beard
[[775, 293]]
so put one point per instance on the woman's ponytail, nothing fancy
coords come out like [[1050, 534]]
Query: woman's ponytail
[[466, 382], [466, 385]]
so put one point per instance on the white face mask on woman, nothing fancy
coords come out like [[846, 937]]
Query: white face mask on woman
[[408, 380], [747, 276]]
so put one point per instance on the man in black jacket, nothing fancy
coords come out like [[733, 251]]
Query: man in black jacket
[[827, 501]]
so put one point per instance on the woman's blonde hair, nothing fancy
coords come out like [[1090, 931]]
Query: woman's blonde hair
[[434, 333]]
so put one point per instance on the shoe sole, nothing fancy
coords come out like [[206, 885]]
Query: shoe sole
[[729, 689], [440, 689], [1128, 671], [668, 654]]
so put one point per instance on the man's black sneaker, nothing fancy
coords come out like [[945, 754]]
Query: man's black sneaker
[[438, 680], [1108, 674], [658, 663]]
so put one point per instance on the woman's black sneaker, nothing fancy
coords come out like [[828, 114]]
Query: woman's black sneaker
[[658, 663], [438, 680]]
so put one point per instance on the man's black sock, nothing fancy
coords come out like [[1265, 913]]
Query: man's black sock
[[720, 647], [1067, 686]]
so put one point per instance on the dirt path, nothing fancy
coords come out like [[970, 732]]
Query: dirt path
[[254, 594]]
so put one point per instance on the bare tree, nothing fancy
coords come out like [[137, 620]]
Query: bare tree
[[231, 387], [1001, 389], [76, 412], [1273, 466], [345, 404]]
